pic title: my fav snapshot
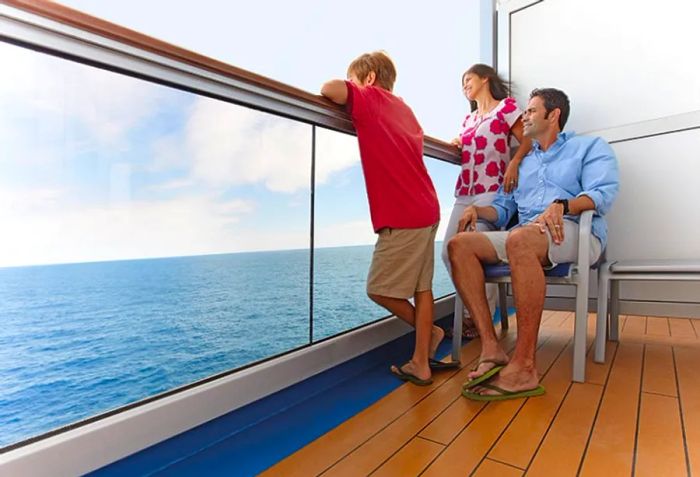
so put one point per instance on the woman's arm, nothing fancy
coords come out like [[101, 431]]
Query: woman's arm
[[510, 180]]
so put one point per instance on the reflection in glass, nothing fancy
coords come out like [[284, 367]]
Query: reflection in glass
[[151, 238]]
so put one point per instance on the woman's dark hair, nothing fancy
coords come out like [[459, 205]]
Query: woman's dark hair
[[499, 88], [553, 99]]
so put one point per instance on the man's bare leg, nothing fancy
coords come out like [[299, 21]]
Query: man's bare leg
[[527, 252], [467, 252], [421, 317]]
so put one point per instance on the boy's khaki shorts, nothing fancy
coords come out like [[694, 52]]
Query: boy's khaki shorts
[[403, 262]]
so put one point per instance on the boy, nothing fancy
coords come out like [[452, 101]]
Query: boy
[[402, 201]]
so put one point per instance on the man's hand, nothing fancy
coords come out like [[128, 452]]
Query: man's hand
[[553, 219], [468, 221]]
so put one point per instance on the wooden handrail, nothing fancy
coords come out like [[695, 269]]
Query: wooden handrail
[[74, 18]]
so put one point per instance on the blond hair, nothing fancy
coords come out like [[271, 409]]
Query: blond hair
[[380, 63]]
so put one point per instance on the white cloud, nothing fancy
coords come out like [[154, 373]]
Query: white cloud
[[183, 226], [231, 145], [334, 152], [55, 97], [356, 232], [172, 185]]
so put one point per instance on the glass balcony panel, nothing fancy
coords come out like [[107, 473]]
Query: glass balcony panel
[[151, 238], [444, 176], [344, 239]]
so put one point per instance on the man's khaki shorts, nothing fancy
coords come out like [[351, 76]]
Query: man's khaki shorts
[[403, 262], [565, 252]]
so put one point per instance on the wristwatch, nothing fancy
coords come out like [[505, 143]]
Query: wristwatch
[[565, 203]]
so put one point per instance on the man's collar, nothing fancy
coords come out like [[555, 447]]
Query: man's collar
[[562, 137]]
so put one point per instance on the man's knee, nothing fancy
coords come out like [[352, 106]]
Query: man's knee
[[459, 246], [523, 240]]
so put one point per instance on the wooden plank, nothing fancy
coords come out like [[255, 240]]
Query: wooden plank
[[520, 440], [658, 326], [660, 340], [465, 453], [489, 468], [546, 315], [659, 371], [564, 444], [451, 422], [681, 328], [456, 417], [376, 449], [410, 460], [696, 324], [660, 448], [687, 359], [622, 320], [557, 318], [460, 413], [331, 447], [611, 447], [568, 322], [635, 325], [468, 449], [598, 373]]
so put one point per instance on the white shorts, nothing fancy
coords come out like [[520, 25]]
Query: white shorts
[[565, 252]]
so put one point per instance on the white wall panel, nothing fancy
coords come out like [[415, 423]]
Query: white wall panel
[[620, 61]]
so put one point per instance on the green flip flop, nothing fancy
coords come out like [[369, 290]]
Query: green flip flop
[[411, 378], [486, 376], [502, 393]]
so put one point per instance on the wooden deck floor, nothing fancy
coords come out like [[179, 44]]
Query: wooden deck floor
[[638, 414]]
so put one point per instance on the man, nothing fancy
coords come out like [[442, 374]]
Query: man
[[562, 176]]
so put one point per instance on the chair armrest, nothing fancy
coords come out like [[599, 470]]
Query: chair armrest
[[584, 240]]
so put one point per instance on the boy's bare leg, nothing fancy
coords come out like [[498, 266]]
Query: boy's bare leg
[[467, 252], [421, 317]]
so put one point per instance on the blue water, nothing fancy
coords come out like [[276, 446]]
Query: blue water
[[77, 340]]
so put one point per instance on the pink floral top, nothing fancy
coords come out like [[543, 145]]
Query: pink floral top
[[485, 151]]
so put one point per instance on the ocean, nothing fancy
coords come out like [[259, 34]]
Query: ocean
[[77, 340]]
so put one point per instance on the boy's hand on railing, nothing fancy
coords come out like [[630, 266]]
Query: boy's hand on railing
[[468, 221], [457, 142]]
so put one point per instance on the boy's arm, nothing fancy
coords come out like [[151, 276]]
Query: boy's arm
[[335, 90]]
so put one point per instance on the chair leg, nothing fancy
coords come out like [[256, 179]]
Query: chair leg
[[601, 325], [614, 309], [457, 328], [580, 327], [503, 305]]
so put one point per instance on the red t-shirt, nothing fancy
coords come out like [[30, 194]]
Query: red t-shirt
[[400, 192]]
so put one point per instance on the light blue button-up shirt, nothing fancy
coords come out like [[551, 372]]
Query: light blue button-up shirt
[[573, 166]]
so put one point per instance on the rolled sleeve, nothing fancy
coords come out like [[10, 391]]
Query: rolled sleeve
[[505, 207], [600, 178]]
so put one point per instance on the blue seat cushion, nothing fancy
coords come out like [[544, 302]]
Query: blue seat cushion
[[503, 270]]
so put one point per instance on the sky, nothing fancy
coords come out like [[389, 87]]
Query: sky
[[100, 166]]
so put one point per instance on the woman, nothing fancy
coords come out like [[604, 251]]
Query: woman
[[486, 162]]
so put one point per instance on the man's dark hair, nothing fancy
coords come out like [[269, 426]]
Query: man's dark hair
[[553, 99]]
